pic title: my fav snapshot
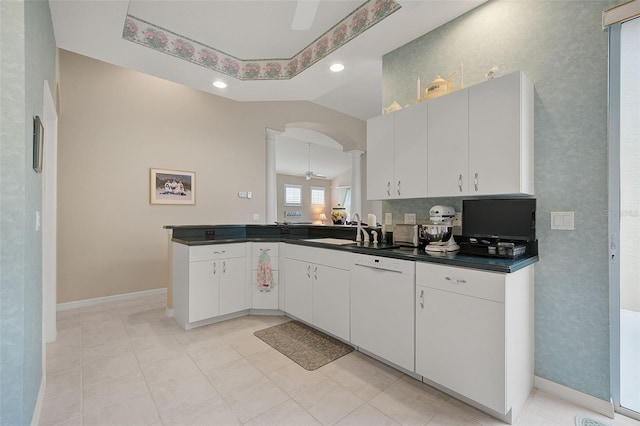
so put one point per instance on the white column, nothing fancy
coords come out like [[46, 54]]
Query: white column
[[271, 186], [356, 181]]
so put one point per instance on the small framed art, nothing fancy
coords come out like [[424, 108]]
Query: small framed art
[[172, 187]]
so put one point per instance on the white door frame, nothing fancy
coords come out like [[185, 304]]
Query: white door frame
[[49, 216]]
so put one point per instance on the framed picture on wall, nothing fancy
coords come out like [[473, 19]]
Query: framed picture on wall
[[38, 143], [172, 187]]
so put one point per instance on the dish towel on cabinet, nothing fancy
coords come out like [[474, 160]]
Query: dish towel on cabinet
[[265, 274]]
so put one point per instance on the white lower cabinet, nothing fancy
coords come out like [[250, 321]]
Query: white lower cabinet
[[317, 288], [474, 334], [382, 308], [265, 299], [208, 281]]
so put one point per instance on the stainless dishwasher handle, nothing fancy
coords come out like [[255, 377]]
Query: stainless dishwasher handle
[[377, 268], [455, 280]]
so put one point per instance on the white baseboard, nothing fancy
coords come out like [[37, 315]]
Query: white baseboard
[[37, 410], [99, 300], [598, 405]]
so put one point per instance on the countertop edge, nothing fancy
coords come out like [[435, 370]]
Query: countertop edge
[[472, 262]]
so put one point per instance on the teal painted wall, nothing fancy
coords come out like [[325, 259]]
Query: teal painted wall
[[561, 47], [28, 55]]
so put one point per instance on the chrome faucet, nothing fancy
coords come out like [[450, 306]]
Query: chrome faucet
[[359, 229], [356, 217]]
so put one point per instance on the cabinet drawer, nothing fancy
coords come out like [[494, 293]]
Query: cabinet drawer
[[334, 258], [272, 249], [470, 282], [216, 251]]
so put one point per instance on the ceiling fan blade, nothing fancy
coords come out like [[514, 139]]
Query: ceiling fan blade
[[304, 15]]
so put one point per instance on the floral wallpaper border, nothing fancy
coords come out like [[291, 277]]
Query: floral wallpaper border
[[364, 17]]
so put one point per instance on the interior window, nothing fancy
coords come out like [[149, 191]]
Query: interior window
[[317, 196], [292, 195]]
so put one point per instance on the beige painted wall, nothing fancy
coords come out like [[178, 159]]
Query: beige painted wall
[[114, 125], [309, 213]]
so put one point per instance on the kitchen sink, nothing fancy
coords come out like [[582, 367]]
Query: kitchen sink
[[334, 241]]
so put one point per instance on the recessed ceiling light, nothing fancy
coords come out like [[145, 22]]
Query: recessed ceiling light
[[219, 84], [336, 67]]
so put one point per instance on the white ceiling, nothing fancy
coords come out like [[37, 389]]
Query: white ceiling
[[255, 29]]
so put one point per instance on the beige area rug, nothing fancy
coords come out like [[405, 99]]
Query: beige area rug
[[306, 346]]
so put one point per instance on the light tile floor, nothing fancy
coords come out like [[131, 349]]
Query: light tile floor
[[126, 363]]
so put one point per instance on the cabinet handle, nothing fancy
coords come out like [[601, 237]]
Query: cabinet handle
[[215, 268], [455, 280], [475, 181], [224, 267], [263, 250], [460, 183], [421, 299], [398, 187], [389, 188], [315, 273], [308, 271], [219, 252]]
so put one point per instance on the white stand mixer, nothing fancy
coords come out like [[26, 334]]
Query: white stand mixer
[[439, 234]]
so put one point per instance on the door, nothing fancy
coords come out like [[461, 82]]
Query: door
[[331, 300], [460, 344], [410, 151], [232, 285], [298, 292], [204, 290], [448, 145], [380, 157], [494, 136], [624, 199]]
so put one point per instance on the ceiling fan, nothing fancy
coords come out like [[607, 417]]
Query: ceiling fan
[[304, 15], [309, 174]]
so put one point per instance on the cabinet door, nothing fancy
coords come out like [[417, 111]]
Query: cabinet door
[[331, 300], [232, 285], [494, 136], [204, 285], [380, 157], [298, 291], [448, 152], [460, 344], [411, 152]]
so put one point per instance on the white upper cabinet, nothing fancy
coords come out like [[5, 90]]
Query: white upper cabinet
[[397, 154], [476, 141], [501, 136], [448, 153], [380, 157], [411, 152]]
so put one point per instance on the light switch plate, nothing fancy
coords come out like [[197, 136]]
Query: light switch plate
[[562, 221], [410, 218], [256, 216], [388, 219]]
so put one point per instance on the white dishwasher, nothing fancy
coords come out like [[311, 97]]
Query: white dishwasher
[[383, 308]]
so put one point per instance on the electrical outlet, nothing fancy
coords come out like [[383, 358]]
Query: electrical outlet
[[457, 220], [242, 194], [410, 218], [249, 194], [388, 219], [256, 216]]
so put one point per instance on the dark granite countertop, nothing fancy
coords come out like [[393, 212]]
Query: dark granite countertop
[[194, 235]]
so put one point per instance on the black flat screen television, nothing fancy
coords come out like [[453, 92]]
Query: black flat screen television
[[503, 219]]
